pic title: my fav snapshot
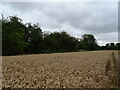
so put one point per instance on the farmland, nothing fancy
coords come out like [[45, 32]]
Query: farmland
[[57, 70]]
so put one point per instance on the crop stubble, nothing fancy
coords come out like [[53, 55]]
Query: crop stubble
[[58, 70]]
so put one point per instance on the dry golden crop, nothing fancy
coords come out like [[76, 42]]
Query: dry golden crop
[[58, 70]]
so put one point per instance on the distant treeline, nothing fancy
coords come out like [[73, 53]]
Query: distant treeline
[[19, 38]]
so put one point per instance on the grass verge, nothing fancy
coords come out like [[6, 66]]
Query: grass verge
[[112, 69]]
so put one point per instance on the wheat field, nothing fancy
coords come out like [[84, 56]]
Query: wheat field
[[57, 70]]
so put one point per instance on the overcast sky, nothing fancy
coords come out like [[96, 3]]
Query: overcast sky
[[76, 18]]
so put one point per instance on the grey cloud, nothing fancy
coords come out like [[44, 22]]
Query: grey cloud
[[99, 19], [107, 37], [21, 6]]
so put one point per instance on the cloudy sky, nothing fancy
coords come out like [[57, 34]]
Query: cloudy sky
[[76, 18]]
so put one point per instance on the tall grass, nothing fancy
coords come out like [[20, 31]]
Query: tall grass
[[112, 69]]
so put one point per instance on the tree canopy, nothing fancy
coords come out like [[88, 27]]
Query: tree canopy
[[19, 38], [13, 36]]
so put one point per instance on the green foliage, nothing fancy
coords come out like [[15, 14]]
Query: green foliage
[[112, 46], [88, 42], [13, 36], [19, 38], [34, 39], [60, 42]]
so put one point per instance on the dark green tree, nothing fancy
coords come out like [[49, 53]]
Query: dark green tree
[[88, 42], [60, 42], [107, 46], [117, 46], [34, 38], [13, 36], [19, 38], [112, 45]]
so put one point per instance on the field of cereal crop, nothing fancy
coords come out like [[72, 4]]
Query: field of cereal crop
[[58, 70]]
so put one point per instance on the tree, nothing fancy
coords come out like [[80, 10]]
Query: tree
[[88, 42], [60, 42], [118, 46], [34, 38], [69, 43], [19, 38], [13, 36], [112, 45], [107, 46]]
